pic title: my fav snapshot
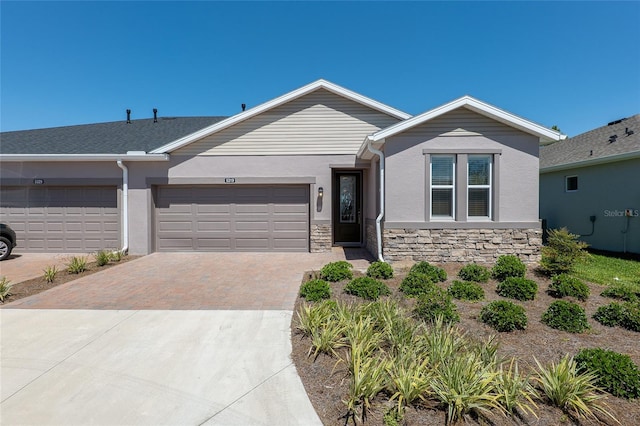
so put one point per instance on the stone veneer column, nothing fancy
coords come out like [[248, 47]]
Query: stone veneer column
[[320, 240], [461, 245]]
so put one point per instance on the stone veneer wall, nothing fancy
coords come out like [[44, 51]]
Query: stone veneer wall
[[461, 245], [320, 240], [371, 239]]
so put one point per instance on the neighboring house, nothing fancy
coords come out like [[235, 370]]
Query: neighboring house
[[318, 167], [590, 184]]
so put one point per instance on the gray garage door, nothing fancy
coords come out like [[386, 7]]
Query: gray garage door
[[232, 218], [62, 219]]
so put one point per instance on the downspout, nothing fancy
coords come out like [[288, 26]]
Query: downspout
[[125, 207], [381, 215]]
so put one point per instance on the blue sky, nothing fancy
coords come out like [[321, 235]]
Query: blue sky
[[572, 64]]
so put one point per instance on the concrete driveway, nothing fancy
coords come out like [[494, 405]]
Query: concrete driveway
[[191, 339]]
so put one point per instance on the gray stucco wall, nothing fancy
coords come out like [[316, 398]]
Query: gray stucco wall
[[604, 191], [516, 177]]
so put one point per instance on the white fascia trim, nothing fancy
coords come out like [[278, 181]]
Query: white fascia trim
[[476, 106], [82, 157], [593, 162], [319, 84]]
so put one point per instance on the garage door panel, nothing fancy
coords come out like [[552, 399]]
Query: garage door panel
[[224, 218], [58, 219]]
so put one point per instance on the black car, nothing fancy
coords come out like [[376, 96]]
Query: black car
[[7, 241]]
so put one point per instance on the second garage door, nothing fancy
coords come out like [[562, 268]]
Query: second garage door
[[232, 218]]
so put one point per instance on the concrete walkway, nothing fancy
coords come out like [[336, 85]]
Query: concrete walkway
[[111, 358]]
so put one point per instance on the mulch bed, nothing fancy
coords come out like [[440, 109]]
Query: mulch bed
[[38, 285], [326, 382]]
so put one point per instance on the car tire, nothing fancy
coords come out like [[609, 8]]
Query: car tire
[[5, 248]]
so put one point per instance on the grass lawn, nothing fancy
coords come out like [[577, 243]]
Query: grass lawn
[[600, 269]]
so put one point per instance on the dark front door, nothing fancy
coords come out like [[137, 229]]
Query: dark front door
[[347, 208]]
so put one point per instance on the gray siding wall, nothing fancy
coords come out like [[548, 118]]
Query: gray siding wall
[[604, 191], [318, 123], [516, 174]]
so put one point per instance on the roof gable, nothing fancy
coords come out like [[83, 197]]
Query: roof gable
[[316, 85], [471, 104]]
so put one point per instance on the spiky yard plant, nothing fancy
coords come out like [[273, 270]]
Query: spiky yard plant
[[77, 264], [327, 338], [575, 393], [311, 317], [362, 334], [367, 376], [5, 288], [464, 385], [442, 340], [409, 377], [50, 273], [102, 257], [515, 390]]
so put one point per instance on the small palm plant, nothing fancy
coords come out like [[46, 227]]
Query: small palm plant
[[366, 380], [575, 393], [515, 390], [50, 273], [77, 265], [409, 377], [5, 288]]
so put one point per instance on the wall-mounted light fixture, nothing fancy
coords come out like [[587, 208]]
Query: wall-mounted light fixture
[[320, 192]]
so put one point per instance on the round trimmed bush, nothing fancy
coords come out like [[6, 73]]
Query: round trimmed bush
[[315, 290], [508, 265], [367, 288], [616, 373], [436, 274], [518, 288], [504, 316], [609, 315], [564, 285], [474, 272], [436, 303], [380, 270], [566, 316], [466, 290], [416, 284], [622, 291], [631, 317], [336, 271]]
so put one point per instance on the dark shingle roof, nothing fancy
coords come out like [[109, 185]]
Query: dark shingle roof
[[103, 138], [594, 144]]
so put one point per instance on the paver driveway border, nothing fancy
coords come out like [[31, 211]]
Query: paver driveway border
[[149, 366]]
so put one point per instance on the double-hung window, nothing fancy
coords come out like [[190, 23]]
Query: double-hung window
[[479, 186], [443, 186]]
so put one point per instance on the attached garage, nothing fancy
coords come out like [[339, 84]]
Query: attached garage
[[62, 218], [232, 218]]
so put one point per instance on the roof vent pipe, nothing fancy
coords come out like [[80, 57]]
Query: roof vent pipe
[[244, 107], [128, 116], [155, 115], [381, 183]]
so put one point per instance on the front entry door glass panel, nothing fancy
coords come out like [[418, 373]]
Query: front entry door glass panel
[[347, 208], [348, 201]]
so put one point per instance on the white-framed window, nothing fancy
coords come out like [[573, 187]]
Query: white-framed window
[[571, 183], [479, 181], [443, 183]]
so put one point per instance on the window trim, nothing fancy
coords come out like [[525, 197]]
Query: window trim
[[451, 187], [489, 187], [566, 183]]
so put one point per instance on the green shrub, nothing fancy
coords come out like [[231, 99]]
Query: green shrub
[[562, 251], [367, 288], [102, 257], [336, 271], [5, 288], [436, 303], [507, 266], [503, 315], [117, 255], [474, 272], [77, 265], [416, 284], [564, 285], [380, 270], [465, 290], [622, 291], [626, 315], [50, 273], [609, 315], [518, 288], [615, 372], [436, 274], [315, 290], [566, 316]]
